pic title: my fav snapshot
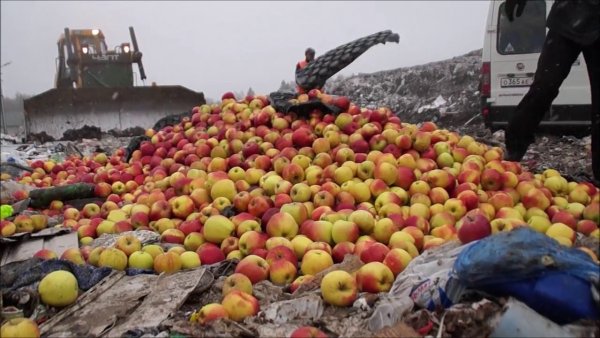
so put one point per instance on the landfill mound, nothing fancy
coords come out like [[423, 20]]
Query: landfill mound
[[441, 91], [241, 220]]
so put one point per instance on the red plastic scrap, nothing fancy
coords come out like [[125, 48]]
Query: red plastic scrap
[[425, 329]]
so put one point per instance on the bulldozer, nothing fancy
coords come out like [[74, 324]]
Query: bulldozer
[[97, 87]]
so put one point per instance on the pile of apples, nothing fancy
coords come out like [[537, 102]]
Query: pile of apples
[[289, 197]]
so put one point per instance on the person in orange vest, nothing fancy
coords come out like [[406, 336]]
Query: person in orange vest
[[309, 54]]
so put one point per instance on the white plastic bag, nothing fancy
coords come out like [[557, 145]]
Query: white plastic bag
[[430, 271]]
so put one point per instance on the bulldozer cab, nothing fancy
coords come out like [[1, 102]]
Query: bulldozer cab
[[84, 61]]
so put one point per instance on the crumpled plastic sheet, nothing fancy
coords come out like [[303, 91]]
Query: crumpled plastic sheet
[[398, 301], [87, 276]]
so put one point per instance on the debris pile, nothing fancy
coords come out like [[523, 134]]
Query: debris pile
[[241, 220]]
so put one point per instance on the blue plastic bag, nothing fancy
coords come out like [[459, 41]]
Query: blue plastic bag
[[553, 280], [520, 254]]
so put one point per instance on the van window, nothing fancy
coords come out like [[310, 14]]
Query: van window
[[526, 33]]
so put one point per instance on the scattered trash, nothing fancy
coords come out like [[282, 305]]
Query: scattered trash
[[120, 303], [309, 308], [521, 321], [9, 188], [22, 246], [83, 132], [422, 283], [145, 237], [43, 197]]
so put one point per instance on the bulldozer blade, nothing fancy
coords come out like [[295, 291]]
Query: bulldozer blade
[[61, 109]]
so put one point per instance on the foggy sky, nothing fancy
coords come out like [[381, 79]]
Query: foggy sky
[[216, 47]]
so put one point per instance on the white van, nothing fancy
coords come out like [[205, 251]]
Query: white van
[[509, 60]]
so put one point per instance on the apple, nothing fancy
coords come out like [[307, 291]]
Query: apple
[[208, 313], [58, 289], [315, 261], [319, 246], [557, 230], [139, 219], [374, 277], [277, 241], [45, 254], [23, 223], [223, 188], [318, 231], [342, 249], [297, 210], [417, 235], [73, 255], [473, 227], [282, 224], [363, 219], [308, 331], [383, 230], [254, 267], [113, 258], [586, 227], [19, 327], [240, 305], [141, 260], [250, 241], [281, 252], [535, 198], [160, 209], [7, 228], [189, 260], [182, 206], [565, 218], [247, 225], [153, 249], [374, 252], [397, 260], [339, 288], [300, 244], [128, 244], [592, 212], [237, 281], [344, 231], [209, 253], [168, 262], [539, 223], [282, 271], [229, 244], [217, 228], [91, 210]]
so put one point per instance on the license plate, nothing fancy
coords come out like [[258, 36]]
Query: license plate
[[516, 81]]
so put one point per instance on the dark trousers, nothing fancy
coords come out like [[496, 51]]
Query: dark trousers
[[554, 64]]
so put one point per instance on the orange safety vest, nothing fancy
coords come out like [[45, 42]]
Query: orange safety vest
[[301, 65]]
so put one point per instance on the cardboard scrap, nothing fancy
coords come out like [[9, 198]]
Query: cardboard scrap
[[55, 239], [169, 292], [119, 303], [309, 307]]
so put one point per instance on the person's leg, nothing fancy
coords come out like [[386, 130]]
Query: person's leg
[[554, 64], [592, 59]]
